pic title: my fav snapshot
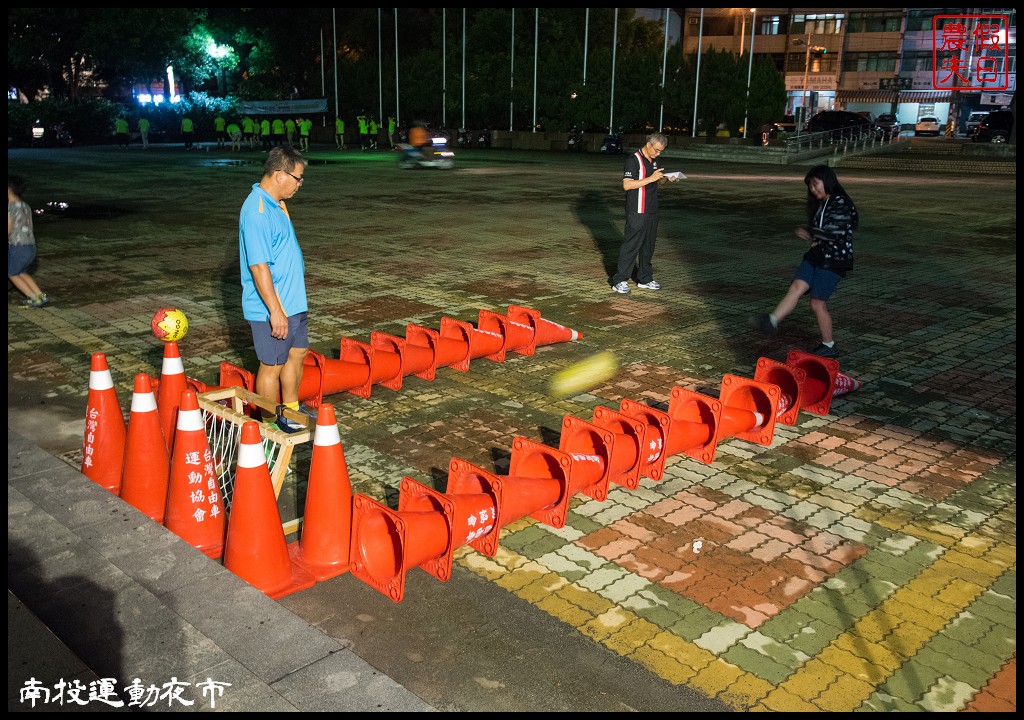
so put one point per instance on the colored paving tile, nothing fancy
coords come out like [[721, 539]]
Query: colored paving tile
[[747, 575], [861, 560]]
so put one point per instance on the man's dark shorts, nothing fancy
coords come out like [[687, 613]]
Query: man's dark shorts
[[823, 282], [272, 351]]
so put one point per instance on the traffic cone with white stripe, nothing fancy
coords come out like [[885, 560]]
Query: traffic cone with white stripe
[[105, 430], [146, 465], [256, 550], [194, 510], [172, 384], [323, 548]]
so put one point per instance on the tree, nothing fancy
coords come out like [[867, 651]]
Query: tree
[[723, 91], [46, 51], [767, 102], [680, 84], [130, 46], [276, 53]]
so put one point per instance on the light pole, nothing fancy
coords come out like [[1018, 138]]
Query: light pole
[[807, 67], [750, 69]]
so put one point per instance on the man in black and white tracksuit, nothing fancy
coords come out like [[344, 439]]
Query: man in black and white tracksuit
[[641, 178]]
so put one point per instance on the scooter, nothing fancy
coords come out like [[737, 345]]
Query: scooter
[[436, 155], [483, 138], [612, 143], [53, 136], [576, 143], [463, 138]]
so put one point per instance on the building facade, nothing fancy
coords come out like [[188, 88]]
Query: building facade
[[912, 62]]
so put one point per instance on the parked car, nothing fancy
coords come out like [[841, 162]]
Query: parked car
[[786, 124], [887, 125], [927, 125], [840, 123], [974, 120], [779, 128], [995, 128]]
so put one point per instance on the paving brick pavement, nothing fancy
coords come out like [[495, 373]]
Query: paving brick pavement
[[864, 560]]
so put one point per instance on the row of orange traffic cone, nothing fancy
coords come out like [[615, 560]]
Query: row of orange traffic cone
[[618, 446], [178, 489], [387, 359], [105, 430], [182, 492]]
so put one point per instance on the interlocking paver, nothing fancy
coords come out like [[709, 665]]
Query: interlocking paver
[[864, 560]]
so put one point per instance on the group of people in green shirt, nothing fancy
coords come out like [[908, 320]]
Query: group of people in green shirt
[[121, 131], [369, 131], [268, 132]]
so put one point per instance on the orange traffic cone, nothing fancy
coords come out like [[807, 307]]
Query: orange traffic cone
[[146, 466], [790, 381], [819, 381], [172, 384], [103, 449], [323, 549], [545, 331], [194, 510], [234, 376], [256, 550], [845, 384]]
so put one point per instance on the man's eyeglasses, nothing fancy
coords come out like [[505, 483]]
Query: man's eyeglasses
[[655, 150], [296, 178]]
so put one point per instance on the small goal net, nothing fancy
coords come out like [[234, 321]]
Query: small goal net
[[225, 411]]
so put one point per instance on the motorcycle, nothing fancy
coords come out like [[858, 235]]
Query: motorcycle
[[463, 138], [612, 143], [52, 136], [576, 142], [483, 138], [436, 155]]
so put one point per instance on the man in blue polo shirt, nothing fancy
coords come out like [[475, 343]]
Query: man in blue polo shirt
[[273, 281]]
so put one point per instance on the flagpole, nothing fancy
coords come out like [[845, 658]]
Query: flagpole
[[334, 29], [512, 72], [398, 116], [611, 102], [696, 87], [664, 64]]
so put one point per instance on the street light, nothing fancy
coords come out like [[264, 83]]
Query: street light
[[807, 67]]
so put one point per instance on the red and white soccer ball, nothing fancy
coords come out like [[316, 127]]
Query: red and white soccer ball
[[169, 324]]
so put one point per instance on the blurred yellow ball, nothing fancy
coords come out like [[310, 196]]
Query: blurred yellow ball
[[584, 375]]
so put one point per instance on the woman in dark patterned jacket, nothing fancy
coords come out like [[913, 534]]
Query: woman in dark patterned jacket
[[832, 218]]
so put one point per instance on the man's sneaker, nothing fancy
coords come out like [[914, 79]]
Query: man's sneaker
[[293, 426], [764, 324], [289, 426], [824, 350], [652, 285], [622, 287]]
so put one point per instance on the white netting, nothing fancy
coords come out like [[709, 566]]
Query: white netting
[[224, 437], [224, 418]]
